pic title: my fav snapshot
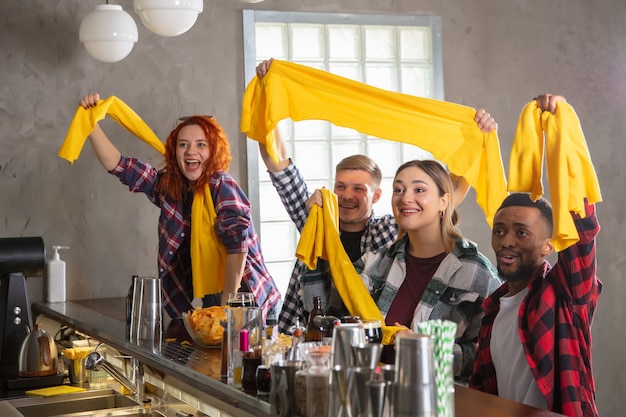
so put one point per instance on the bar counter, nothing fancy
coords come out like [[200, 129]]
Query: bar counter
[[198, 367]]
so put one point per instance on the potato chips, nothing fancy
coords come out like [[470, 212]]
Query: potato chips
[[205, 323]]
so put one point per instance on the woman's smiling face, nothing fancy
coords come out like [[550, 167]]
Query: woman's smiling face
[[192, 150], [416, 202]]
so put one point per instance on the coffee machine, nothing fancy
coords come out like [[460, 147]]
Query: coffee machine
[[19, 257]]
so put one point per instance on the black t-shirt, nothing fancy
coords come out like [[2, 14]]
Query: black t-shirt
[[352, 244]]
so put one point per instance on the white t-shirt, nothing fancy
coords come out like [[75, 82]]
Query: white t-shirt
[[515, 381]]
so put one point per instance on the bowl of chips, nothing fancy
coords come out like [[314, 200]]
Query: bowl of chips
[[203, 325]]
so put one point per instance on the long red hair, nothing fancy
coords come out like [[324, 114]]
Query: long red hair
[[173, 182]]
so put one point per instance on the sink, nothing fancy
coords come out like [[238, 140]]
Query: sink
[[97, 403], [117, 412], [73, 403]]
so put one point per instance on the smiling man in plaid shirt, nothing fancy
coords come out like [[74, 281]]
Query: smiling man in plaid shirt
[[357, 186]]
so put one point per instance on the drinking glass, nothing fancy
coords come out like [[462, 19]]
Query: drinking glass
[[146, 327], [373, 330], [240, 299], [238, 318]]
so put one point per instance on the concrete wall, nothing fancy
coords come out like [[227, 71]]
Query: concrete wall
[[497, 55]]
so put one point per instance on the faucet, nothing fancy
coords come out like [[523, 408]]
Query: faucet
[[94, 361]]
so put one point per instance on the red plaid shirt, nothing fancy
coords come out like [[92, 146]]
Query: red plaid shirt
[[233, 225], [554, 326]]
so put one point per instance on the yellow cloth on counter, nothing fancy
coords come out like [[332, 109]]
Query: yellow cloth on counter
[[571, 174], [320, 239], [208, 254], [447, 130], [52, 391]]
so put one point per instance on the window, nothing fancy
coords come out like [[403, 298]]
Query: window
[[397, 53]]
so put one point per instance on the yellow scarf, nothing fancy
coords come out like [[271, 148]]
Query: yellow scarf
[[571, 174], [208, 254], [320, 237], [446, 129]]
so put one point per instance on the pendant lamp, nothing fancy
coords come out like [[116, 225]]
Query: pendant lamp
[[168, 17], [108, 33]]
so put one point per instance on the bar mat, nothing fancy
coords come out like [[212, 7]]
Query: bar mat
[[50, 391]]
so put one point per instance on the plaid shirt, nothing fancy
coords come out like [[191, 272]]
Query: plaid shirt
[[293, 192], [233, 225], [463, 279], [554, 326]]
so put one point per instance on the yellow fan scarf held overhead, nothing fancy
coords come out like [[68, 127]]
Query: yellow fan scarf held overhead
[[320, 237], [208, 254], [447, 130], [571, 174]]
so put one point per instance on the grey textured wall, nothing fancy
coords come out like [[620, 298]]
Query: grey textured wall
[[497, 55]]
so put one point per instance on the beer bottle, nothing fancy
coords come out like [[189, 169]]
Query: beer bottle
[[315, 333]]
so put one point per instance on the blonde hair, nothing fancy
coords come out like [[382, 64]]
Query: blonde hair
[[362, 163]]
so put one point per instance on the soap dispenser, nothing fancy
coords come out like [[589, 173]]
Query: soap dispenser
[[56, 276]]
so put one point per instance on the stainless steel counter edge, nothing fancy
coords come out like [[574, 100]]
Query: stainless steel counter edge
[[113, 332]]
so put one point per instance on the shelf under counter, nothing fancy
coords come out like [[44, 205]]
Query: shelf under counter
[[179, 358]]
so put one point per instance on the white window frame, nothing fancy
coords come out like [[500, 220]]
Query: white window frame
[[251, 17]]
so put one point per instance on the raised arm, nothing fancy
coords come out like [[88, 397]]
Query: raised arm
[[107, 153], [282, 148]]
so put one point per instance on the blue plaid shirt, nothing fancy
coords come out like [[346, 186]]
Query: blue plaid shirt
[[233, 226], [293, 191]]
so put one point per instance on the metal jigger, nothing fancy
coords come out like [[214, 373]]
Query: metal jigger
[[377, 391], [360, 377], [367, 355], [339, 401]]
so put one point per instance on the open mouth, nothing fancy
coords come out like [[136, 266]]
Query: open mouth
[[192, 163], [507, 258]]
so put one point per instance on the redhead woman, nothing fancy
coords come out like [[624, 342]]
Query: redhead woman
[[197, 156]]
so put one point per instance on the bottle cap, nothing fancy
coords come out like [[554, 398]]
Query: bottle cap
[[55, 248]]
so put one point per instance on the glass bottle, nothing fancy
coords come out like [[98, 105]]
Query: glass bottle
[[315, 333]]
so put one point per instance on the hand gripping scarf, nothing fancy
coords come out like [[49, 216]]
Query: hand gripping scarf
[[571, 174], [320, 237], [447, 130], [208, 254]]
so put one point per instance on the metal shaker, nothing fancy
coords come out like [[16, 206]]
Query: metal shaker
[[345, 336], [415, 385]]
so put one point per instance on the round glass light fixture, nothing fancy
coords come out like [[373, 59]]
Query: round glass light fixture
[[108, 33], [168, 17]]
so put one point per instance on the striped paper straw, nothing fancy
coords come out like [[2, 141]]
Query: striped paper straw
[[444, 334]]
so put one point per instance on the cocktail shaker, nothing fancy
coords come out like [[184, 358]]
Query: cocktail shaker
[[415, 385], [345, 336]]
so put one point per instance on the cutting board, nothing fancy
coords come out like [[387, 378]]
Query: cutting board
[[50, 391]]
